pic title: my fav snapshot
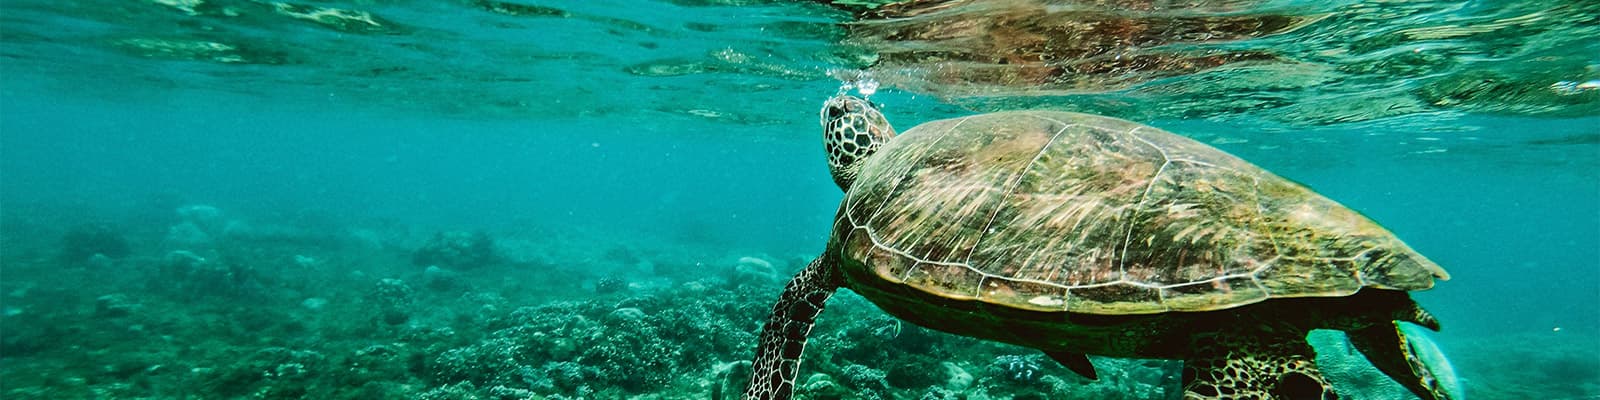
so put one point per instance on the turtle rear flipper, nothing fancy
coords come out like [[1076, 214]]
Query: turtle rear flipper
[[1077, 362], [1238, 365], [1389, 349], [783, 337]]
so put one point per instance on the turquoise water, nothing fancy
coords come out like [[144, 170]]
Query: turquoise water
[[305, 158]]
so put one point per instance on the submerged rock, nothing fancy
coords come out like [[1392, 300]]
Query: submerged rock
[[205, 274], [207, 219], [457, 250], [437, 278], [626, 315], [753, 271], [314, 303], [730, 380], [188, 236], [822, 387], [114, 305], [956, 378], [85, 241]]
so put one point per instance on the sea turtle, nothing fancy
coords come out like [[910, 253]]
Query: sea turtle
[[1080, 234]]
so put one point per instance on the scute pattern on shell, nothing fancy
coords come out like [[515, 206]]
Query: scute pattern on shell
[[1057, 211]]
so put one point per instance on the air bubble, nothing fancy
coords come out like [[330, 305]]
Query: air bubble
[[855, 80], [867, 86]]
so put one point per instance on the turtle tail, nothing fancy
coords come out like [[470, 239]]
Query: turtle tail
[[783, 337], [1241, 365]]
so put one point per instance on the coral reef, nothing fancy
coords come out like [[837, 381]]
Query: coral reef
[[269, 373], [263, 317], [640, 345]]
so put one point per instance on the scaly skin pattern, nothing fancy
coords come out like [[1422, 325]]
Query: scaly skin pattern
[[783, 338], [1249, 365], [1269, 359], [852, 129]]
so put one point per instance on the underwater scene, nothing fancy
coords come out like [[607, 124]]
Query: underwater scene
[[605, 199]]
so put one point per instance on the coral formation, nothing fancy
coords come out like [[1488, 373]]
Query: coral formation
[[609, 285], [258, 316], [393, 300]]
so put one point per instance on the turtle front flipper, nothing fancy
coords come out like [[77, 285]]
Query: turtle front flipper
[[1389, 349], [1237, 365], [783, 337]]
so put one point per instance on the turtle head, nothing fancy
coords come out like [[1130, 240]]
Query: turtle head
[[852, 129]]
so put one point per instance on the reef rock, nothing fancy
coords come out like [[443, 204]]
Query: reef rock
[[457, 250], [85, 241]]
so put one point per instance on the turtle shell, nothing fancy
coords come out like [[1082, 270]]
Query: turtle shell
[[1055, 211]]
